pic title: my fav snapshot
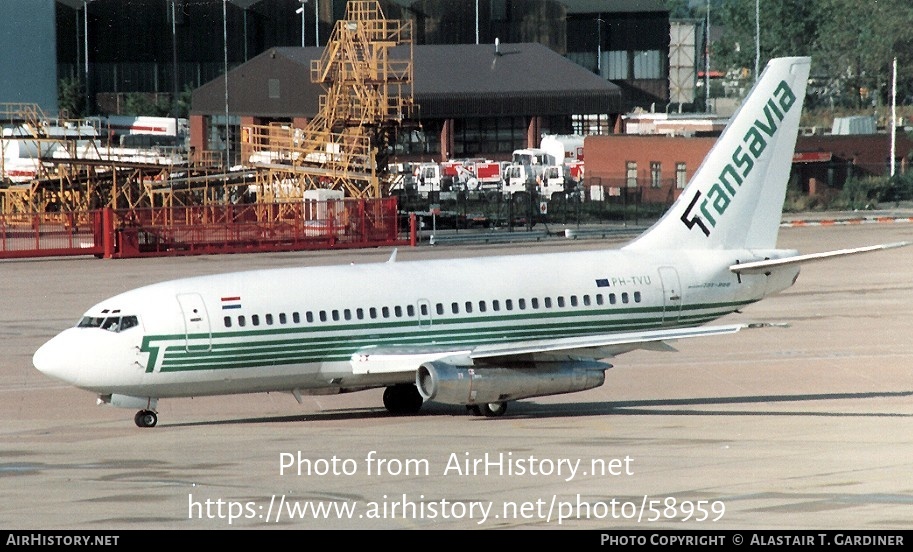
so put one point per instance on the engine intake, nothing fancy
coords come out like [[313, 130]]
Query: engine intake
[[449, 384]]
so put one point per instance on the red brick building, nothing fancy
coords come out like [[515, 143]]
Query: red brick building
[[660, 166]]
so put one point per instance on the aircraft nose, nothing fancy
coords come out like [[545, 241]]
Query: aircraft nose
[[53, 359]]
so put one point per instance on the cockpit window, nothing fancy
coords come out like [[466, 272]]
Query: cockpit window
[[114, 323]]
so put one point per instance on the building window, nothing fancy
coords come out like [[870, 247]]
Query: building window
[[631, 174], [648, 64], [616, 65], [656, 174], [681, 175]]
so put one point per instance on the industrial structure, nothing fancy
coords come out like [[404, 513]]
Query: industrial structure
[[165, 202], [368, 96]]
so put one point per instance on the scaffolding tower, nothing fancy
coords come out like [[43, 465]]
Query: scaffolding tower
[[368, 96]]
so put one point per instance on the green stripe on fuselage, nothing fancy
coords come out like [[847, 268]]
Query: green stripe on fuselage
[[319, 342]]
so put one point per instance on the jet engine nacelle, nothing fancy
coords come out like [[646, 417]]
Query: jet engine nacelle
[[127, 401], [449, 384]]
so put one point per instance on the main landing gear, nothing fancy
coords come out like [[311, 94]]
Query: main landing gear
[[402, 399], [491, 410], [146, 418]]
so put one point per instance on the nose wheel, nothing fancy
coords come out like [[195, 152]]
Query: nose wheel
[[146, 418]]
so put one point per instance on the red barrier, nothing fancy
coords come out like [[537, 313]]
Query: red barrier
[[51, 235], [200, 230]]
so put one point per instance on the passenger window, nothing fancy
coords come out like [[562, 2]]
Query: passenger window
[[269, 319], [360, 313], [586, 300], [521, 304], [468, 306], [410, 310], [241, 321], [372, 312], [282, 318], [612, 298], [496, 305], [561, 301], [255, 320], [347, 314], [599, 299], [398, 311], [323, 316], [481, 306], [385, 312], [573, 300], [439, 308], [335, 314], [227, 321], [296, 318], [548, 302], [423, 309], [624, 297], [509, 304], [637, 297], [309, 316], [455, 308]]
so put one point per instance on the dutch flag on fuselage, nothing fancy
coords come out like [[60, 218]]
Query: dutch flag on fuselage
[[229, 303]]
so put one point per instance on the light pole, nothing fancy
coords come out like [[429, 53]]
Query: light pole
[[174, 66], [225, 51], [757, 38], [599, 22], [707, 62], [85, 38], [301, 11]]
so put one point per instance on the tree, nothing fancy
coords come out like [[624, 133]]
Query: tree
[[787, 28], [852, 44], [71, 97], [856, 49]]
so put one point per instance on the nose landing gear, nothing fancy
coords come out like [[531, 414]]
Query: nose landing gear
[[146, 418]]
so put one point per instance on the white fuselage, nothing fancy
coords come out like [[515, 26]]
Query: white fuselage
[[300, 328]]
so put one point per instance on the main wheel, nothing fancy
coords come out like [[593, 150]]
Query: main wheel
[[493, 410], [403, 399], [146, 418]]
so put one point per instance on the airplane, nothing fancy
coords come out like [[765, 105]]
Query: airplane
[[530, 325]]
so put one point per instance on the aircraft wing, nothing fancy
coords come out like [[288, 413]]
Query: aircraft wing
[[407, 359], [760, 267]]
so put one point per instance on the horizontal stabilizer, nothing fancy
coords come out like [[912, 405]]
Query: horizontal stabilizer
[[760, 267]]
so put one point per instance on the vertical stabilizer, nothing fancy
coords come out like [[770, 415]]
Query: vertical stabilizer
[[735, 199]]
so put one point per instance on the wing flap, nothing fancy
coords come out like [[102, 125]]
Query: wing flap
[[390, 360], [599, 346]]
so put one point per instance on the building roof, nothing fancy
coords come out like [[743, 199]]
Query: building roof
[[451, 81], [616, 6]]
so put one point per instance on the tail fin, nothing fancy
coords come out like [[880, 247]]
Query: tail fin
[[735, 199]]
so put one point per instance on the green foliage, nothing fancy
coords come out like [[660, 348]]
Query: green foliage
[[137, 103], [852, 44], [184, 100], [862, 193], [71, 97]]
